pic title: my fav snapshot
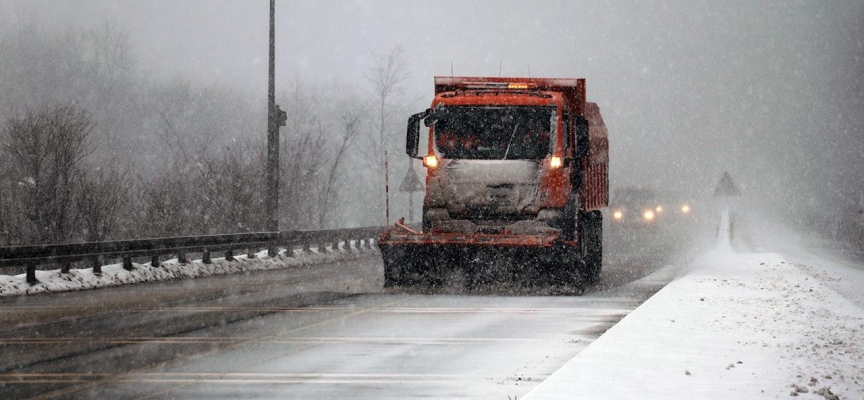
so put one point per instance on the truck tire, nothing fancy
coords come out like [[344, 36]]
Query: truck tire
[[592, 244]]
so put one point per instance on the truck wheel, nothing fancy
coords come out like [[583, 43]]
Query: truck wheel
[[592, 245]]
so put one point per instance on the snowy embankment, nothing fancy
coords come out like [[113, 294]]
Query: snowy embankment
[[735, 326], [115, 275]]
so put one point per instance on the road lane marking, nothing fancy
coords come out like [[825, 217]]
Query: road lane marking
[[567, 310], [294, 340], [234, 378]]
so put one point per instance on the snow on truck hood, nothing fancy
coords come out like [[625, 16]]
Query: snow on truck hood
[[494, 187]]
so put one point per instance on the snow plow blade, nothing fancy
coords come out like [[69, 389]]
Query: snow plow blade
[[396, 237], [416, 258]]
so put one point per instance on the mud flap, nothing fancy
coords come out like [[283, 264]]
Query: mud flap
[[567, 271]]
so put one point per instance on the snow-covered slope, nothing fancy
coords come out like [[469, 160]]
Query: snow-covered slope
[[735, 326]]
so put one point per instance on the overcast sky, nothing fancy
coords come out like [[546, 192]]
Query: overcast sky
[[766, 90]]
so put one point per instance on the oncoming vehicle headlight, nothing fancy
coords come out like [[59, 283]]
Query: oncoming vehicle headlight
[[648, 215], [618, 215], [685, 209], [659, 209]]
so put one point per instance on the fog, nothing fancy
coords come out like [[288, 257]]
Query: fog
[[771, 92]]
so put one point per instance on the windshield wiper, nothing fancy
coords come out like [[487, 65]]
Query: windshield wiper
[[512, 135]]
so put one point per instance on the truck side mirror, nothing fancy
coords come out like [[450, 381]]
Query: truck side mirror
[[580, 125], [439, 113], [412, 140]]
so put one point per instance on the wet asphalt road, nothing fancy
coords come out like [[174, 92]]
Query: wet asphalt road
[[329, 331]]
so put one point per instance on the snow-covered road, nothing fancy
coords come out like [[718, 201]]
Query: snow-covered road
[[737, 325], [323, 331], [761, 316]]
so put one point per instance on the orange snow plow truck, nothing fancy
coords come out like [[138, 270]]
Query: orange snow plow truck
[[516, 176]]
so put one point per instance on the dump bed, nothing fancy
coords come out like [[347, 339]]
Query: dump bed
[[595, 188], [572, 89]]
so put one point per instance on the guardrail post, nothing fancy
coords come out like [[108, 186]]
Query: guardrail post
[[64, 268], [289, 251], [250, 254], [347, 246], [272, 251], [154, 261], [31, 274], [322, 248], [336, 245], [229, 255], [127, 263], [96, 261], [181, 258], [205, 256], [307, 247]]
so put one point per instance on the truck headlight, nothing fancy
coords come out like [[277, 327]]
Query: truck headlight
[[648, 215], [618, 215]]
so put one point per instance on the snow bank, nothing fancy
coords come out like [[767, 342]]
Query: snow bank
[[734, 326], [114, 275]]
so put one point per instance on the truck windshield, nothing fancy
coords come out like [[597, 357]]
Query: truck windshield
[[495, 133]]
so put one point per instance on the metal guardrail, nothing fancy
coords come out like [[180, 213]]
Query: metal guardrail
[[64, 254]]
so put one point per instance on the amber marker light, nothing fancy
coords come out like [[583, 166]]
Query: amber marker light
[[555, 162], [430, 161], [648, 215]]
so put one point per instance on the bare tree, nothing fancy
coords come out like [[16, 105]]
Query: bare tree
[[228, 185], [166, 206], [386, 76], [102, 198], [349, 126], [48, 147], [303, 153]]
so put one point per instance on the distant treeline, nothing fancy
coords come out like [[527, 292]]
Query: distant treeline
[[91, 148]]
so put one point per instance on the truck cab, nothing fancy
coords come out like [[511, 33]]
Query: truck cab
[[511, 163]]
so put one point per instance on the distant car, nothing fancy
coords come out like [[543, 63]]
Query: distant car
[[635, 206]]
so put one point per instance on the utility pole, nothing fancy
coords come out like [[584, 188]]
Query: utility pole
[[275, 119], [386, 188]]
